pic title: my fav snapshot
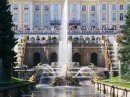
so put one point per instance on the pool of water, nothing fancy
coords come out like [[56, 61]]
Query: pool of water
[[65, 91]]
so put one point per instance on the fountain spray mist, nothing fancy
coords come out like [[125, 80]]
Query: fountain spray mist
[[65, 46]]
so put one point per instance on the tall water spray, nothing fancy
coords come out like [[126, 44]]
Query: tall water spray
[[65, 46]]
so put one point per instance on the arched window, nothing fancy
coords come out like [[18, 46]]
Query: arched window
[[93, 8], [103, 7], [83, 8], [56, 7], [74, 7], [55, 16], [114, 7], [26, 7], [104, 16], [26, 17], [46, 17], [121, 16], [37, 17], [37, 7], [15, 7], [83, 17], [15, 17], [9, 7], [121, 7], [127, 6], [114, 16], [46, 7], [74, 17], [93, 17]]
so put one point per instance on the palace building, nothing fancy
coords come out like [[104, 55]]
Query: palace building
[[82, 14], [94, 26]]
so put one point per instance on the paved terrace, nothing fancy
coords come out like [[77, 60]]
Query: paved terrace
[[70, 32]]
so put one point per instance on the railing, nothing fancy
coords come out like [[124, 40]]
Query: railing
[[73, 41], [70, 32], [55, 22], [76, 22]]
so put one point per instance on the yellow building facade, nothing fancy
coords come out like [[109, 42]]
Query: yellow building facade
[[82, 14]]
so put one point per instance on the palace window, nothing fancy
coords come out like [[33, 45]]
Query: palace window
[[83, 17], [15, 7], [15, 17], [56, 7], [26, 7], [93, 8], [37, 17], [103, 26], [46, 7], [104, 16], [74, 18], [103, 7], [55, 16], [83, 8], [26, 17], [121, 7], [114, 16], [127, 6], [114, 27], [46, 17], [93, 17], [121, 16], [114, 7], [37, 7], [74, 7]]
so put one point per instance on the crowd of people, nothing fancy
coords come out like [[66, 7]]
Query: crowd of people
[[71, 28]]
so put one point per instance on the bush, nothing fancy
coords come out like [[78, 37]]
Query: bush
[[37, 38], [43, 38], [76, 38], [87, 38]]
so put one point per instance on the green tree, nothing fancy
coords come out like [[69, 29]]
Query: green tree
[[125, 48], [7, 39]]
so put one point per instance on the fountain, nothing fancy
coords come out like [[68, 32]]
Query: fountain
[[64, 74]]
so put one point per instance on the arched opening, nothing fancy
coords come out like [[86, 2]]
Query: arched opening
[[36, 58], [53, 57], [77, 58], [94, 58]]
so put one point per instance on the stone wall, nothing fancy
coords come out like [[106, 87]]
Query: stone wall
[[84, 50], [16, 91]]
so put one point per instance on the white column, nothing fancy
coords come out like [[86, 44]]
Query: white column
[[51, 14], [89, 19], [78, 6], [70, 11], [41, 16], [31, 15], [98, 13], [20, 19], [110, 14]]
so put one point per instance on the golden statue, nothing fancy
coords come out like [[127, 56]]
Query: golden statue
[[92, 65], [32, 78], [106, 37], [39, 64]]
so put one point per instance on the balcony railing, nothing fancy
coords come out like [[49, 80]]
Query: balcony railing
[[55, 22], [70, 32], [74, 22], [73, 41]]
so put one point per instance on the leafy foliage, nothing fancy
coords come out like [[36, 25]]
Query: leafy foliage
[[125, 48], [7, 39]]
